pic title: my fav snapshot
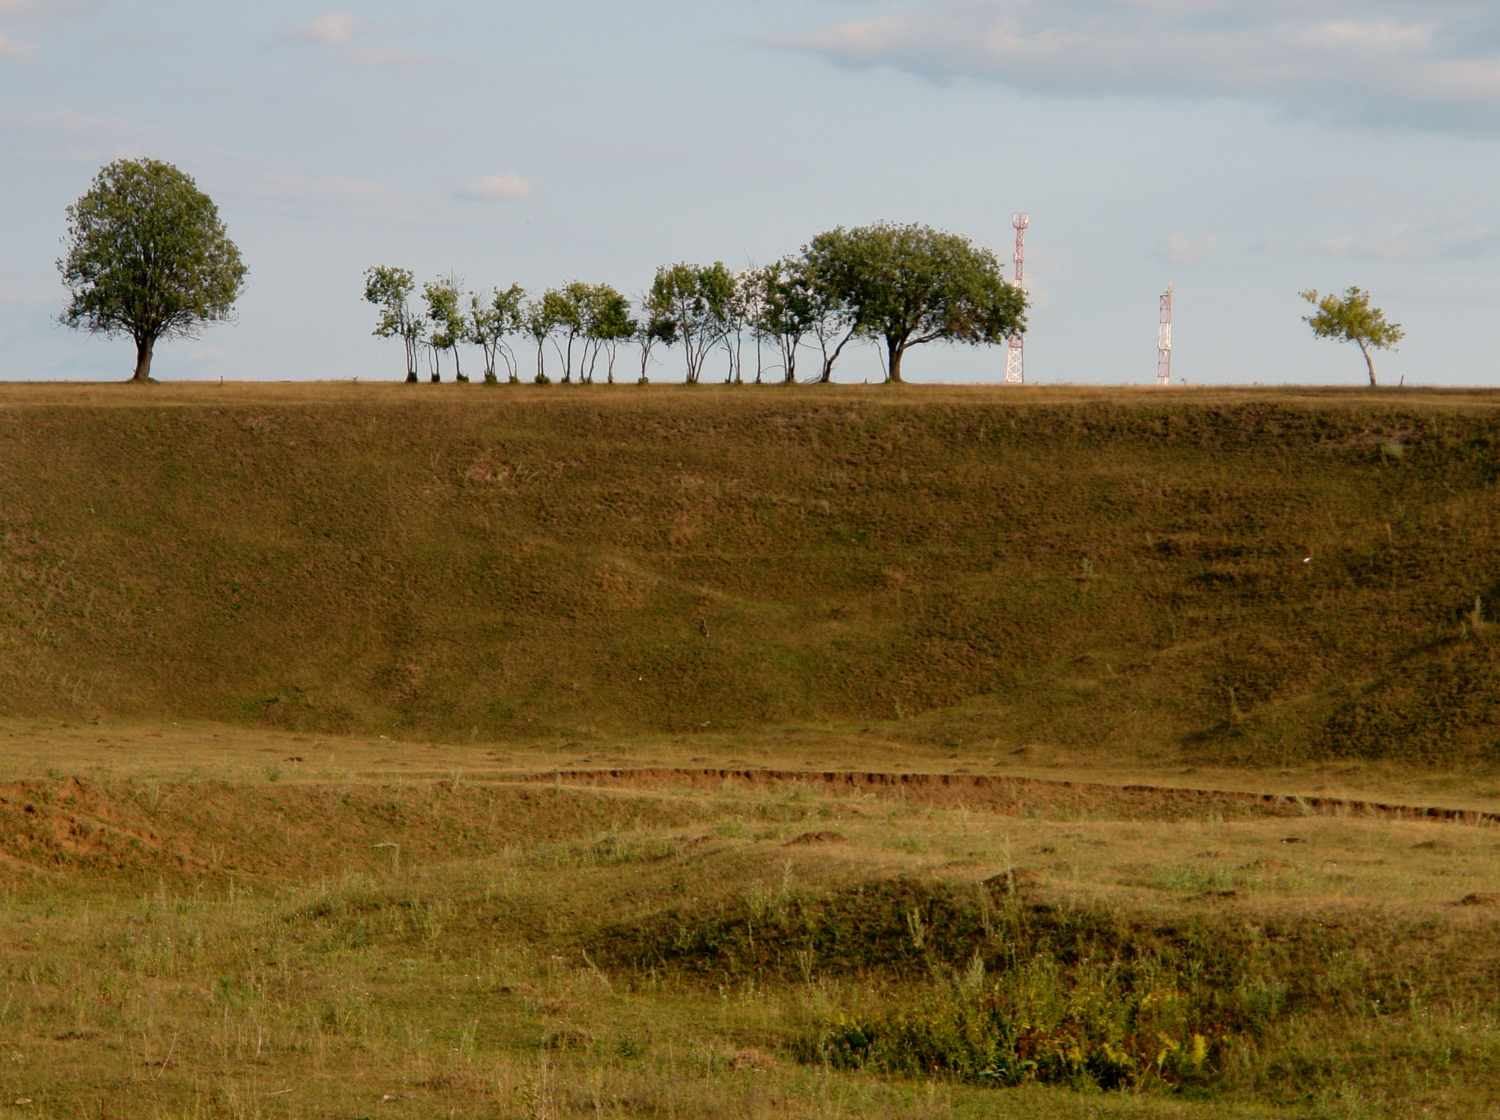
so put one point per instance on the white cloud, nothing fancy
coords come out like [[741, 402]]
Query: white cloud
[[1181, 250], [67, 122], [328, 189], [401, 61], [1412, 243], [334, 29], [208, 354], [496, 186], [1424, 63], [11, 48]]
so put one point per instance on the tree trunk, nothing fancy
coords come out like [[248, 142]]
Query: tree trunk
[[1369, 361], [143, 348], [896, 351]]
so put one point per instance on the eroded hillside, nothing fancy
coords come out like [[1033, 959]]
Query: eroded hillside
[[1255, 576]]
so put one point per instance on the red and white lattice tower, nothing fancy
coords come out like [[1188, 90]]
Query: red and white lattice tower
[[1164, 339], [1015, 357]]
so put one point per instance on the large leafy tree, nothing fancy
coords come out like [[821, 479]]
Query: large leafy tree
[[1350, 318], [148, 256], [390, 290], [906, 285]]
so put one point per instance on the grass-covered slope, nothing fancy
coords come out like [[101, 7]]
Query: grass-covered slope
[[1259, 576]]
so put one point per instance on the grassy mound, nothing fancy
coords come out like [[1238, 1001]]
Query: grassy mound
[[1255, 577]]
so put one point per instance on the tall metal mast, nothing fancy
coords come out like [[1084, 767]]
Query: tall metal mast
[[1164, 339], [1015, 358]]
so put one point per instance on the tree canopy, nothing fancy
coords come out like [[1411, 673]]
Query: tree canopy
[[898, 286], [147, 256], [911, 284], [1350, 318]]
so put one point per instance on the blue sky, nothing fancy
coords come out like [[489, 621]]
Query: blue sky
[[1243, 149]]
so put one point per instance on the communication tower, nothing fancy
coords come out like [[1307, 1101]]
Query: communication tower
[[1015, 357], [1164, 339]]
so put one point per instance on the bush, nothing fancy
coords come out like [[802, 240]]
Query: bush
[[1096, 1024]]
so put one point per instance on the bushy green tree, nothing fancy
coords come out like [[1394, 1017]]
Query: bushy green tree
[[390, 290], [606, 323], [906, 285], [147, 256], [1350, 318]]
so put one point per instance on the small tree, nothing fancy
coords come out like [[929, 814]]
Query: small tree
[[652, 328], [539, 321], [450, 325], [909, 285], [606, 323], [389, 289], [1350, 318], [785, 310], [695, 299], [148, 257], [490, 322], [566, 308]]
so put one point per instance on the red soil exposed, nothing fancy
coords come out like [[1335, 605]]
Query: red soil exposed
[[1013, 796], [59, 828]]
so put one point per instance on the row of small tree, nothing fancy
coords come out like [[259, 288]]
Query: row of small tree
[[896, 285]]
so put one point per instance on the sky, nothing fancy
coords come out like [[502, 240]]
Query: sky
[[1243, 150]]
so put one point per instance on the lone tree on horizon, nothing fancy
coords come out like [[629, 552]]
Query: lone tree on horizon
[[147, 257], [1350, 318]]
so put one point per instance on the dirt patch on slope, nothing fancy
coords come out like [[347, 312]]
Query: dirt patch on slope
[[53, 828], [1012, 796]]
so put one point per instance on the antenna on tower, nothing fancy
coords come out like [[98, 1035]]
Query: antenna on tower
[[1164, 339], [1015, 357]]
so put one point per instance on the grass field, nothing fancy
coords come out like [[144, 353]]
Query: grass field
[[443, 751], [209, 921]]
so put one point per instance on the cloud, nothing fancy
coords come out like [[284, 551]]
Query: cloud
[[495, 186], [10, 48], [1431, 64], [334, 29], [1179, 250], [66, 122], [335, 189], [400, 61], [1412, 243]]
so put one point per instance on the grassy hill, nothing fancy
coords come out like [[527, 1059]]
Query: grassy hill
[[1260, 576]]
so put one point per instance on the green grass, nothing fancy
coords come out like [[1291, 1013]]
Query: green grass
[[573, 953], [1241, 576]]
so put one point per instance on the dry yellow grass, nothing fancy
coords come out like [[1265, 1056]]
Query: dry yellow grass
[[1107, 571], [280, 665], [321, 928]]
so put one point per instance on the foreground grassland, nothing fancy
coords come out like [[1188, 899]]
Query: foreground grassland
[[1272, 577], [436, 751], [284, 926]]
